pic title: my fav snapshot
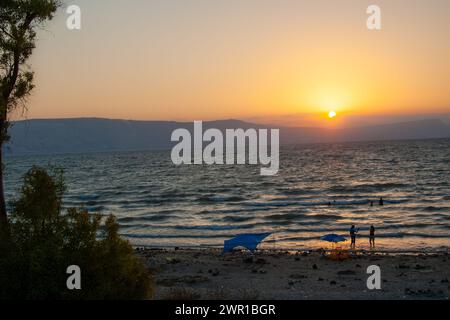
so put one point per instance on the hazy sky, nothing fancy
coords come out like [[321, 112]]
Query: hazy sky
[[251, 59]]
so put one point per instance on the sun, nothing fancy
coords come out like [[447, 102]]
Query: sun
[[332, 114]]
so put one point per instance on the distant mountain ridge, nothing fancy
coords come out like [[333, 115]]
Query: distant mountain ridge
[[80, 135]]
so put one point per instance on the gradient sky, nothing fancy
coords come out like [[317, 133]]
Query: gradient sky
[[248, 59]]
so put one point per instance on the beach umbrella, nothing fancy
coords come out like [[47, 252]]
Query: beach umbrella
[[333, 238]]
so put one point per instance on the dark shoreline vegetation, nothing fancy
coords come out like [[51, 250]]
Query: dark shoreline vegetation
[[41, 241]]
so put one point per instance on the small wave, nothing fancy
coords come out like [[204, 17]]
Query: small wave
[[95, 208], [375, 187], [413, 235], [390, 201], [214, 198], [297, 192], [323, 216], [348, 202], [435, 209], [286, 203], [240, 210], [176, 236], [286, 216], [155, 217], [236, 218], [213, 228], [88, 197]]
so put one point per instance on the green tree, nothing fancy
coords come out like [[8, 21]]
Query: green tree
[[43, 242], [19, 20]]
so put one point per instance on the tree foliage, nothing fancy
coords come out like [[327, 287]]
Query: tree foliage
[[19, 20], [43, 242]]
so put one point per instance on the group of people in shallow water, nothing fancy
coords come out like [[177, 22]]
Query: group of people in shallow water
[[353, 231]]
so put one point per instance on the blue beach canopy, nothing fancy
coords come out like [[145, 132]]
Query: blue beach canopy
[[333, 238], [248, 240]]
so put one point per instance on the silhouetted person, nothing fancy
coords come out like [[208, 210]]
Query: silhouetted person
[[353, 232], [371, 203], [372, 237], [381, 202]]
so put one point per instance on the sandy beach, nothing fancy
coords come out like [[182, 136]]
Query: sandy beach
[[205, 274]]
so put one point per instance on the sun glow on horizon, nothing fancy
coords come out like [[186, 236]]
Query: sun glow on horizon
[[332, 114]]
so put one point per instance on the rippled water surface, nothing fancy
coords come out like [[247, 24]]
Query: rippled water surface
[[319, 189]]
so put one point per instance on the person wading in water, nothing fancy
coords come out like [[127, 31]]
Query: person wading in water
[[353, 232], [372, 237]]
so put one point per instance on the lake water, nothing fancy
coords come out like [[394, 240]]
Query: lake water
[[159, 204]]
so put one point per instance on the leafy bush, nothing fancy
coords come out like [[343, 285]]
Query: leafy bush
[[41, 243]]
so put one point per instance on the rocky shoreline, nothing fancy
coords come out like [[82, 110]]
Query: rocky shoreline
[[190, 274]]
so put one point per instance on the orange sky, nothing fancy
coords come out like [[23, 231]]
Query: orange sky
[[207, 59]]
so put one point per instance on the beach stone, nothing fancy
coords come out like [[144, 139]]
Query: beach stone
[[262, 271], [173, 260], [315, 266], [332, 282], [403, 266], [320, 279], [169, 282], [260, 261], [444, 281], [346, 273], [409, 292], [248, 260], [298, 276], [215, 273]]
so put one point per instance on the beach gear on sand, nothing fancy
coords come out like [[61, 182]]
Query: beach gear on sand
[[336, 253], [248, 240]]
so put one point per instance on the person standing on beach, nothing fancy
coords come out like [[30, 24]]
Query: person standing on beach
[[372, 237], [381, 201], [353, 232]]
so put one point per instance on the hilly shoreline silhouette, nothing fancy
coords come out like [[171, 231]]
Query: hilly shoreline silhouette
[[84, 135]]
